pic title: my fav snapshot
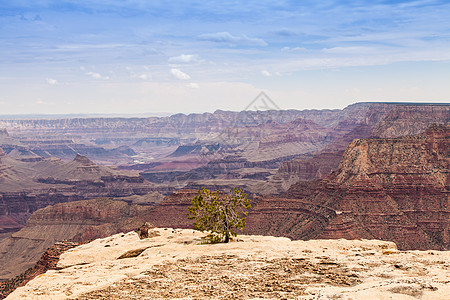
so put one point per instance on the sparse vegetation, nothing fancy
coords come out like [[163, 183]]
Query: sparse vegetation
[[219, 213]]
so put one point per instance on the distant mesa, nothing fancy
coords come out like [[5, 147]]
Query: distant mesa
[[83, 160]]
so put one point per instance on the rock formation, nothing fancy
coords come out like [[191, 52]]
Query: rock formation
[[48, 261], [309, 168], [27, 186], [177, 264], [78, 221], [393, 189], [169, 150], [380, 120]]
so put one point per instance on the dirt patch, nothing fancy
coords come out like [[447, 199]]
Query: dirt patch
[[229, 277]]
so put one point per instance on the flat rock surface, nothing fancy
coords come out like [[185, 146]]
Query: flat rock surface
[[176, 264]]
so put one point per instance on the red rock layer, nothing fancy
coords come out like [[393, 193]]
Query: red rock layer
[[27, 186], [78, 221], [315, 167], [172, 212], [267, 216], [391, 189]]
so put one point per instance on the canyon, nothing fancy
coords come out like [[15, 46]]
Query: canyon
[[394, 189], [77, 221], [369, 171], [269, 149], [26, 186]]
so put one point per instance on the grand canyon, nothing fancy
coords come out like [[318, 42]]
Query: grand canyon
[[368, 171]]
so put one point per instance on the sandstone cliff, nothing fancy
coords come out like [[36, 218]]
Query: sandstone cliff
[[392, 189], [379, 120], [175, 264], [411, 119]]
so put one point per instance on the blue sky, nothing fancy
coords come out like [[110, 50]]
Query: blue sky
[[135, 56]]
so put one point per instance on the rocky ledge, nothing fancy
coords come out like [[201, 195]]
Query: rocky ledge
[[178, 264]]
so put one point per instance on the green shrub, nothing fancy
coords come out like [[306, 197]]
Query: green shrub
[[219, 213]]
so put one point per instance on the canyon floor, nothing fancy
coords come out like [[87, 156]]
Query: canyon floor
[[177, 264]]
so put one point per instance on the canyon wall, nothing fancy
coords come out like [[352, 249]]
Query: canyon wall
[[393, 189], [27, 186], [78, 221]]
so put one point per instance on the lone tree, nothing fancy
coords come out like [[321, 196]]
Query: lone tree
[[219, 213]]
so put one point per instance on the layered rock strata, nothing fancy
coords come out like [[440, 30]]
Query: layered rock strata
[[78, 221], [28, 186], [392, 189]]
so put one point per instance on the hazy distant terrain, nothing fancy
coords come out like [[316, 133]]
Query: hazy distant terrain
[[306, 172]]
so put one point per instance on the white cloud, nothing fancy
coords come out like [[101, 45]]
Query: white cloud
[[226, 37], [184, 59], [51, 81], [349, 50], [97, 75], [295, 49], [178, 74], [266, 73], [193, 85], [144, 77]]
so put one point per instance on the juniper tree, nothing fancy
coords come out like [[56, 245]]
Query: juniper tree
[[219, 213]]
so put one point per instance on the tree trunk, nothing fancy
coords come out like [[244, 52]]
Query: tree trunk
[[227, 238]]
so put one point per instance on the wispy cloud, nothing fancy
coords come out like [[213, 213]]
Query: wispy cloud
[[227, 38], [184, 59], [350, 50], [144, 76], [51, 81], [286, 32], [293, 49], [97, 76], [226, 41], [178, 74], [193, 85]]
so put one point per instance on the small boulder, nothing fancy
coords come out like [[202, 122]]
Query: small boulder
[[143, 231]]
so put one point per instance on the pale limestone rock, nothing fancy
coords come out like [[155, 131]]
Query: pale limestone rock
[[176, 264]]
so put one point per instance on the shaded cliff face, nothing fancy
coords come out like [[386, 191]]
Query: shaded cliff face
[[78, 221], [306, 169], [392, 189]]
